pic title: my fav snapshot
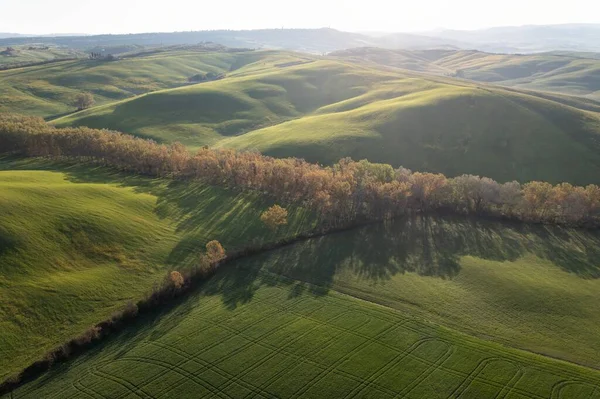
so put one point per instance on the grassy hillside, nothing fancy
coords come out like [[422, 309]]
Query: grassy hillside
[[264, 93], [324, 110], [445, 128], [77, 242], [49, 90], [568, 73], [254, 332]]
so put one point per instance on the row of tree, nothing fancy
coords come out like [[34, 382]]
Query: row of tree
[[342, 193]]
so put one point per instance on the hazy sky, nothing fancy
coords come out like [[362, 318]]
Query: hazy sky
[[125, 16]]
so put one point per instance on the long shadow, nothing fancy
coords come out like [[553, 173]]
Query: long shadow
[[426, 246], [56, 116], [199, 212]]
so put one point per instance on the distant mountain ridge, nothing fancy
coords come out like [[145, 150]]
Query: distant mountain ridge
[[527, 38]]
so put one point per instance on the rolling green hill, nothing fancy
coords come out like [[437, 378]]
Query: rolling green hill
[[568, 73], [76, 243], [323, 110], [280, 325], [49, 90]]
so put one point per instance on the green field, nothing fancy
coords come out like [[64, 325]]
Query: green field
[[76, 243], [531, 287], [260, 329], [444, 307]]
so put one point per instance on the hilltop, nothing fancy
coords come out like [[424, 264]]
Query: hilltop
[[11, 56], [49, 90], [562, 72]]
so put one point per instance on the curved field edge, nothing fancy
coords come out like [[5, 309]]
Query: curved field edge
[[78, 242], [276, 340]]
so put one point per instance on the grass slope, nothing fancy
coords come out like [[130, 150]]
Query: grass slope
[[252, 332], [327, 109], [36, 53], [287, 104], [76, 243], [444, 128]]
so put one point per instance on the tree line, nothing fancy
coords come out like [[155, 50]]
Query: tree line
[[344, 192]]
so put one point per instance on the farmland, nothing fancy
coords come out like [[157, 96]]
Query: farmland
[[420, 283], [253, 331]]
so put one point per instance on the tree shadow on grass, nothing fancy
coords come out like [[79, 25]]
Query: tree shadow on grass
[[199, 212], [8, 242], [426, 246]]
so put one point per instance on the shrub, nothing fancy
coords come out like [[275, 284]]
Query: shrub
[[215, 251], [176, 279]]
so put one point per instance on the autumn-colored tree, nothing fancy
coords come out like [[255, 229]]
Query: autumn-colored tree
[[83, 101], [215, 251], [427, 189], [538, 199], [176, 279], [274, 217]]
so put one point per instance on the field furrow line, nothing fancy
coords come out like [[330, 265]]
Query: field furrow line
[[508, 388], [86, 391], [126, 384], [327, 344], [239, 333], [430, 370], [340, 361], [481, 348], [389, 365], [184, 373], [470, 377], [223, 373]]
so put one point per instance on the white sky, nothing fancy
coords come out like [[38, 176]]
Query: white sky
[[133, 16]]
